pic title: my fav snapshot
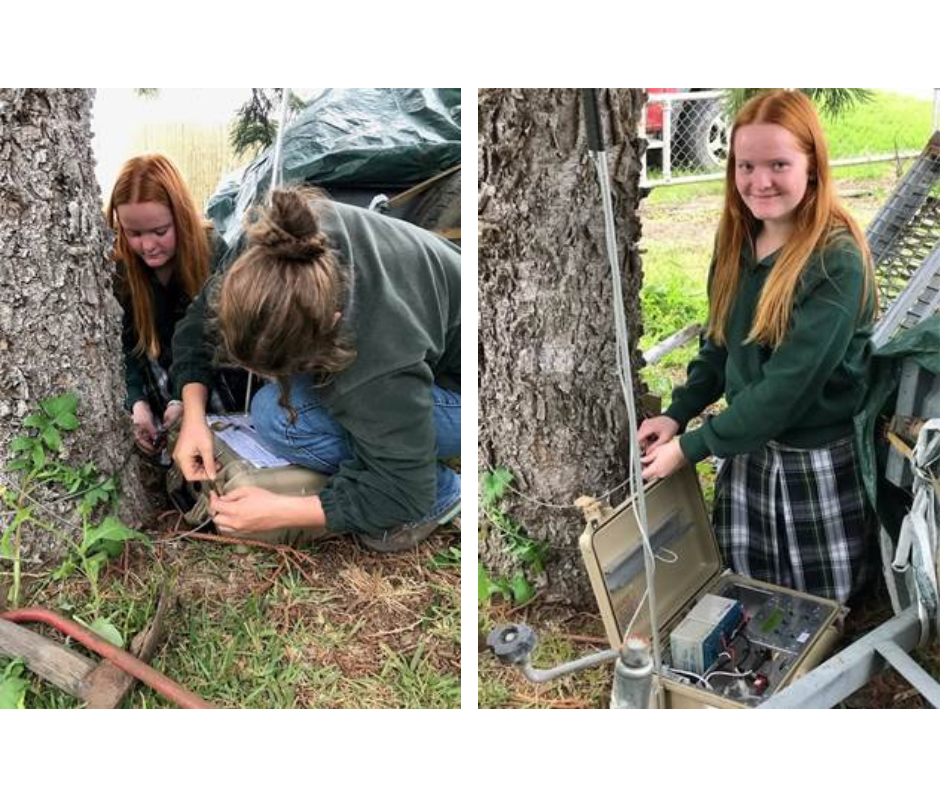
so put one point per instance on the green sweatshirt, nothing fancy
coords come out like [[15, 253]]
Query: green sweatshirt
[[404, 315], [803, 394]]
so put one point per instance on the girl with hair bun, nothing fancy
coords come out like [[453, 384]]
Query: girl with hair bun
[[354, 318], [791, 302]]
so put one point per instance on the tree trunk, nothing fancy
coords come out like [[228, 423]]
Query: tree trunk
[[551, 407], [60, 325]]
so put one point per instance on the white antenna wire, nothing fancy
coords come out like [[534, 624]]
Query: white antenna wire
[[625, 374], [277, 177]]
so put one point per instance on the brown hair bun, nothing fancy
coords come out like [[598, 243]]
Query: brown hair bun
[[289, 229]]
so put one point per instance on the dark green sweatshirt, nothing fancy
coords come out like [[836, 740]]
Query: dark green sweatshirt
[[404, 316], [169, 305], [804, 393]]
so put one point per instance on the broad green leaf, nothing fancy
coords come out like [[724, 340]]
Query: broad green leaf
[[484, 585], [66, 421], [39, 456], [6, 543], [18, 445], [487, 587], [522, 590], [108, 631], [59, 406], [13, 692], [51, 438], [495, 485], [36, 420], [110, 530], [95, 496]]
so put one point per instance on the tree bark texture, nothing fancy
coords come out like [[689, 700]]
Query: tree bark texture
[[551, 407], [60, 324]]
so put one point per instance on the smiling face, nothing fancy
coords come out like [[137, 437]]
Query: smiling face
[[771, 172], [150, 231]]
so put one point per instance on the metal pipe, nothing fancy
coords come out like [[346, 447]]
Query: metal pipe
[[538, 676], [633, 676], [154, 679]]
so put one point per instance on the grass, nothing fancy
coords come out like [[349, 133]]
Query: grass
[[563, 636], [339, 628], [888, 124]]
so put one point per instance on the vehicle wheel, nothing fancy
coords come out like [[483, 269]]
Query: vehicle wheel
[[704, 132]]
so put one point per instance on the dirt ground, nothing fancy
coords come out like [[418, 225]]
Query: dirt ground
[[331, 626], [695, 219]]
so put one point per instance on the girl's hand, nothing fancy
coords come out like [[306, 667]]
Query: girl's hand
[[145, 431], [194, 450], [252, 509], [172, 414], [656, 431], [663, 461]]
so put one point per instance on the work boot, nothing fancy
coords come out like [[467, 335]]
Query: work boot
[[407, 536]]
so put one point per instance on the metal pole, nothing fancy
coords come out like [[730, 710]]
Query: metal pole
[[850, 669]]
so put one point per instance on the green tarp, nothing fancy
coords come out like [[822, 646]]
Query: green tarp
[[380, 138], [921, 345]]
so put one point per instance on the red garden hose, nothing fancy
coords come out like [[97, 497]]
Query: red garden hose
[[127, 662]]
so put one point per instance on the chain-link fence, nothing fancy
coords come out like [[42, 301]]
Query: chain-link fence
[[687, 133]]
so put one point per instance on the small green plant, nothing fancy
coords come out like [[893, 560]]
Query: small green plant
[[527, 552], [447, 559], [37, 456], [13, 685]]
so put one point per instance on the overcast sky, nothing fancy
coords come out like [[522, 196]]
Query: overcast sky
[[119, 112]]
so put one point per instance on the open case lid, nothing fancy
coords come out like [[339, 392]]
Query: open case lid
[[682, 540]]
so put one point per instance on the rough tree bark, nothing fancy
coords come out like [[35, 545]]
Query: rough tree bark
[[60, 325], [551, 409]]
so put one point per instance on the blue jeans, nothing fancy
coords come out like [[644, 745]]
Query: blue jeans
[[316, 440]]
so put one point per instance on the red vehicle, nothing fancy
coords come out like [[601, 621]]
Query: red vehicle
[[700, 128]]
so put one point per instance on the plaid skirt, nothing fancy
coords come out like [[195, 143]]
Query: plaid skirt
[[798, 518]]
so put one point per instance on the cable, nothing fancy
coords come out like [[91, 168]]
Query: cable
[[547, 505], [624, 367], [276, 179], [698, 679]]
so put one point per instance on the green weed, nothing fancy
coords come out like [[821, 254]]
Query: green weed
[[36, 455], [528, 553]]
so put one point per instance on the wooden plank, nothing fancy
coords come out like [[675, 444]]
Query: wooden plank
[[49, 660], [107, 685]]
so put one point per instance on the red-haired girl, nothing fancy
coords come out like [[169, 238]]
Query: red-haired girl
[[165, 250], [791, 300]]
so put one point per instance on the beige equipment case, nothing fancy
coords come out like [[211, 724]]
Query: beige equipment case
[[690, 567], [244, 469]]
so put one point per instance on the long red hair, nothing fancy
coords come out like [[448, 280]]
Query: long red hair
[[154, 178], [820, 220]]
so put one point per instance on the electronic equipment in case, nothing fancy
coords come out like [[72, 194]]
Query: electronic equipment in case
[[728, 641]]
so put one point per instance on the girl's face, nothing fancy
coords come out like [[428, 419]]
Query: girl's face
[[771, 171], [150, 231]]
